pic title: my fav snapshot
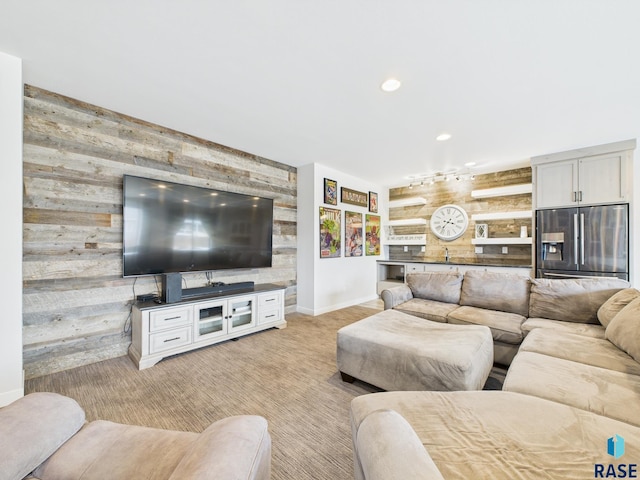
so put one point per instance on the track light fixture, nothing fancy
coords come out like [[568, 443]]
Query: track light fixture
[[431, 178]]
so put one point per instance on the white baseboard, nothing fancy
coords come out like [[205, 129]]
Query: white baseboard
[[338, 306], [11, 396]]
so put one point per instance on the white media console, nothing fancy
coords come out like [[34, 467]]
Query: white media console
[[161, 330]]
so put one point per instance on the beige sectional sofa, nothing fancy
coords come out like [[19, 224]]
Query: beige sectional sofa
[[573, 382], [510, 305]]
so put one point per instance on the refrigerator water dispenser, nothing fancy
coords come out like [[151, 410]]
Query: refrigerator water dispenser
[[552, 246]]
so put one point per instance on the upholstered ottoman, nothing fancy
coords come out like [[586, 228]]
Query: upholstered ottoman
[[396, 351]]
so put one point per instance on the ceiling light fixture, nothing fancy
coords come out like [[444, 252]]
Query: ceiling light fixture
[[443, 137], [423, 179], [390, 85]]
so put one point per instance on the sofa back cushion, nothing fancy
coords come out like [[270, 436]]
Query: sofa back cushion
[[33, 428], [572, 299], [505, 292], [438, 286], [624, 329], [615, 303]]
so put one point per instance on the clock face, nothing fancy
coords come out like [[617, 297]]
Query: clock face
[[449, 222]]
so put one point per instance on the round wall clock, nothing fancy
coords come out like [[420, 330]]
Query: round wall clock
[[449, 222]]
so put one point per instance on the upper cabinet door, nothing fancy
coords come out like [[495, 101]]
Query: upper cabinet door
[[603, 179], [557, 184]]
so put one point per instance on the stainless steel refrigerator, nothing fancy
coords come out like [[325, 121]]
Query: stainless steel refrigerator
[[583, 241]]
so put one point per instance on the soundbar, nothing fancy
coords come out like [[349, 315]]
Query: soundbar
[[212, 289]]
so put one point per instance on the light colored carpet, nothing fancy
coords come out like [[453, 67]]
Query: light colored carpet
[[288, 376]]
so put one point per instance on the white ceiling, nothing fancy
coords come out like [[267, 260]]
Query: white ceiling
[[297, 81]]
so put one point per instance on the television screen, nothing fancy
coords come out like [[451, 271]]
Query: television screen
[[169, 227]]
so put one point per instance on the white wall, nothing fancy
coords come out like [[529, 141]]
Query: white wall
[[11, 88], [326, 284]]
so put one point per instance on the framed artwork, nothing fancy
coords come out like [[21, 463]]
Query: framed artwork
[[372, 234], [352, 234], [353, 197], [373, 202], [330, 192], [330, 232]]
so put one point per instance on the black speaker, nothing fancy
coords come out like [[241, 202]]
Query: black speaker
[[171, 287]]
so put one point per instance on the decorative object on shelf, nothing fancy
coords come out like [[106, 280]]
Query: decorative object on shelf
[[353, 197], [482, 230], [449, 222], [372, 233], [330, 192], [330, 231], [352, 234], [523, 231], [373, 202]]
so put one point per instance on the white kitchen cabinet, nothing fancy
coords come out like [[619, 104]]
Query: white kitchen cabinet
[[592, 177]]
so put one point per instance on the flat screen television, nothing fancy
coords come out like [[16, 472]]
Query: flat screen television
[[174, 228]]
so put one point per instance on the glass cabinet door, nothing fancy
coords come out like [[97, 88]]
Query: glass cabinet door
[[241, 312], [211, 320]]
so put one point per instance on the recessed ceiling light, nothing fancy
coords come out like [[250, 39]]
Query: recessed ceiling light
[[469, 164], [391, 85], [443, 136]]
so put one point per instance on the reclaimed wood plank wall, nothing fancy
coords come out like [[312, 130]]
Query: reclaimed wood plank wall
[[461, 250], [76, 304]]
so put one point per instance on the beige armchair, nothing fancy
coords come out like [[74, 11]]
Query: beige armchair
[[45, 436]]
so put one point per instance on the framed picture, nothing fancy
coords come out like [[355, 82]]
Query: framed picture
[[330, 231], [373, 202], [330, 192], [372, 235], [352, 234], [353, 197], [482, 230]]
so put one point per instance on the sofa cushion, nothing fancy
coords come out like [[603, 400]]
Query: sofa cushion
[[572, 300], [598, 390], [389, 448], [427, 309], [624, 329], [496, 291], [505, 327], [33, 428], [597, 352], [105, 449], [585, 329], [503, 435], [615, 303], [438, 286]]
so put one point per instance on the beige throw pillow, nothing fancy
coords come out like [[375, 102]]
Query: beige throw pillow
[[624, 329], [617, 302]]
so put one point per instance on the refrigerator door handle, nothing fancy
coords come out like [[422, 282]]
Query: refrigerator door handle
[[582, 238], [575, 237]]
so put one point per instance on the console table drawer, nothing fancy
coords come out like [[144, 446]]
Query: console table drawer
[[269, 300], [170, 339], [271, 315], [169, 318]]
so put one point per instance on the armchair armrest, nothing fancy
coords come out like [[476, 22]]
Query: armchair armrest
[[389, 449], [236, 447], [396, 295]]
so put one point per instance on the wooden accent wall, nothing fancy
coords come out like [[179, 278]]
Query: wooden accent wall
[[459, 192], [76, 303]]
